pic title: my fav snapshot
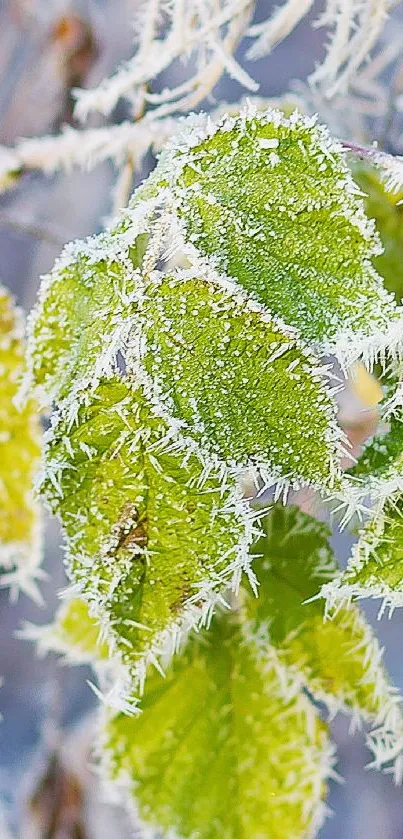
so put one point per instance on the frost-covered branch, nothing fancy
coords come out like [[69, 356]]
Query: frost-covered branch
[[85, 148], [206, 34], [355, 27], [272, 31], [127, 144], [390, 166]]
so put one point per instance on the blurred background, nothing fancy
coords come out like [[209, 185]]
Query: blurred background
[[47, 47]]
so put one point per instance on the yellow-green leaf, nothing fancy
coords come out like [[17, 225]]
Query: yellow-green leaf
[[336, 655], [375, 568], [385, 207], [82, 318], [237, 381], [152, 538], [225, 746], [20, 450], [74, 633], [271, 203]]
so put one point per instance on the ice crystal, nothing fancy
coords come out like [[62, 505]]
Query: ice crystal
[[73, 634]]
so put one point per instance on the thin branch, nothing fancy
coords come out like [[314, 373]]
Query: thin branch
[[390, 166], [123, 186]]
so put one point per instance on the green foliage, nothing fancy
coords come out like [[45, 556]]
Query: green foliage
[[386, 208], [149, 536], [292, 558], [242, 385], [375, 568], [20, 453], [212, 742], [382, 457], [270, 201], [211, 755], [69, 346], [337, 658], [74, 634], [377, 473], [178, 353]]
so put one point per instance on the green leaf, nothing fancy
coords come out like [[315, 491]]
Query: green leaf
[[270, 201], [82, 318], [74, 633], [20, 450], [385, 207], [237, 382], [211, 755], [292, 560], [382, 457], [152, 537], [338, 659], [87, 306], [375, 568], [378, 472]]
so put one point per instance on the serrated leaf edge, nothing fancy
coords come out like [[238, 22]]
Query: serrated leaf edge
[[122, 789]]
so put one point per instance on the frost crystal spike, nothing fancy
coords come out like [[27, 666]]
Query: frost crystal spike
[[74, 634]]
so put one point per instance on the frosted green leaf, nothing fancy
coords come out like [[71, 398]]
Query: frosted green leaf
[[84, 312], [238, 382], [87, 306], [271, 202], [71, 346], [150, 534], [338, 659], [74, 633], [383, 454], [20, 451], [385, 207], [378, 472], [375, 568], [292, 560], [211, 755]]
